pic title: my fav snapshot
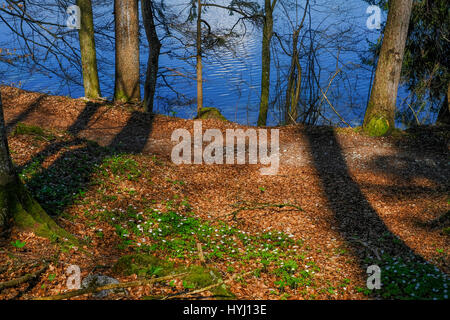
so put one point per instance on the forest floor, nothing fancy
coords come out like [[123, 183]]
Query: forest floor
[[341, 201]]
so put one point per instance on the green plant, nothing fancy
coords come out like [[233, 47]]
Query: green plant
[[122, 165], [23, 128], [174, 233], [403, 279], [18, 244]]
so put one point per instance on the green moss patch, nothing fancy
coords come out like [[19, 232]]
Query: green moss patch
[[200, 277], [26, 129], [28, 214], [142, 265], [377, 127], [148, 265], [210, 113]]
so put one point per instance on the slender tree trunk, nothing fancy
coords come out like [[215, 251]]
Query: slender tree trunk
[[199, 59], [295, 75], [379, 119], [88, 54], [265, 63], [127, 51], [153, 57], [294, 83], [16, 205], [7, 174], [444, 113]]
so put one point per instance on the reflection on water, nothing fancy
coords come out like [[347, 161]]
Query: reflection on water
[[232, 78]]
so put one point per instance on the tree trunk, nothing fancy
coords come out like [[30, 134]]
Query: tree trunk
[[444, 113], [153, 57], [295, 75], [88, 54], [16, 204], [127, 87], [294, 83], [265, 63], [199, 59], [379, 119]]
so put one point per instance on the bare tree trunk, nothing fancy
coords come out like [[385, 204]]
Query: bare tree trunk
[[127, 51], [16, 205], [265, 63], [294, 83], [7, 173], [295, 75], [379, 119], [199, 59], [153, 57], [444, 113], [88, 54]]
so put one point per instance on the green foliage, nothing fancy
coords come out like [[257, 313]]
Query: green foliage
[[210, 113], [426, 63], [142, 265], [427, 47], [122, 165], [200, 277], [23, 128], [446, 231], [18, 244], [58, 186], [412, 280], [27, 129], [175, 233], [292, 276], [146, 265], [377, 127]]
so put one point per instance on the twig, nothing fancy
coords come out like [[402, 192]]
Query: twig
[[215, 285], [334, 109], [374, 250], [121, 285], [265, 206], [23, 279], [200, 254]]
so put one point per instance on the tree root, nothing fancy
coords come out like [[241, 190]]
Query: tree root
[[27, 214], [23, 279]]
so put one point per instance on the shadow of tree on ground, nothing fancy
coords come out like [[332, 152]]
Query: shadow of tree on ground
[[68, 177], [23, 115], [358, 222]]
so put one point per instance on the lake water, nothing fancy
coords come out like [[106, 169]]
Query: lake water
[[232, 79]]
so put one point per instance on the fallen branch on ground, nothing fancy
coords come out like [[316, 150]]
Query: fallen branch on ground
[[265, 206], [374, 250], [200, 254], [121, 285], [23, 279], [215, 285]]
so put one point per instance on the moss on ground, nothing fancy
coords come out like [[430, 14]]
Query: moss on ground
[[27, 129], [142, 265], [27, 214], [210, 113], [446, 231], [378, 127], [147, 265]]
